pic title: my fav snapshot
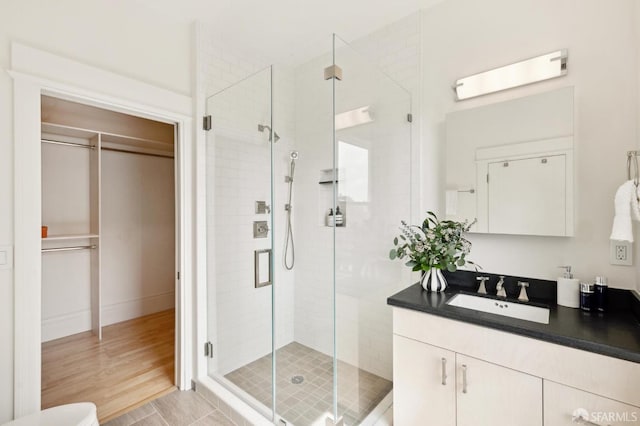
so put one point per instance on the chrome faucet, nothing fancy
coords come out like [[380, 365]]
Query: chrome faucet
[[501, 292], [482, 289], [523, 291]]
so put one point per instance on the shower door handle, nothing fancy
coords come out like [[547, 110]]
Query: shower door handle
[[262, 267]]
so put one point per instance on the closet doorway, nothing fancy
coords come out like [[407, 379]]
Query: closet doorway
[[108, 257]]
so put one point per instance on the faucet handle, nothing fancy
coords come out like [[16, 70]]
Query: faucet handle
[[482, 289], [500, 291], [523, 291]]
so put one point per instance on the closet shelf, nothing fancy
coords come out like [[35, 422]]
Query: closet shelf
[[70, 237]]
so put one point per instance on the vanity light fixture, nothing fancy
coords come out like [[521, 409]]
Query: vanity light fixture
[[529, 71], [353, 118]]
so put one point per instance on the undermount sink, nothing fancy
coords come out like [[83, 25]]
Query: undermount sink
[[500, 307]]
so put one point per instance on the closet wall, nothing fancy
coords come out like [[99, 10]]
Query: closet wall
[[133, 227]]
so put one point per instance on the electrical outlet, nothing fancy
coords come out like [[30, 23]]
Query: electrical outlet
[[621, 253]]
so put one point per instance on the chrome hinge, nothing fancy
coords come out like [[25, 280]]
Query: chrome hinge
[[208, 350], [178, 275], [333, 71], [206, 122], [410, 118], [487, 177]]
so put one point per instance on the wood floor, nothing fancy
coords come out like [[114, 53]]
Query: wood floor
[[133, 364]]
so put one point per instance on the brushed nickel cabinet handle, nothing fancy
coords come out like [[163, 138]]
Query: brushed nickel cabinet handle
[[464, 378], [444, 371]]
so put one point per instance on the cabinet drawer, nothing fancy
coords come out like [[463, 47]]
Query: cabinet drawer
[[562, 402]]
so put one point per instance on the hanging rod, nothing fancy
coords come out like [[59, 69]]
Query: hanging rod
[[48, 250], [135, 152], [81, 145], [633, 155], [74, 144]]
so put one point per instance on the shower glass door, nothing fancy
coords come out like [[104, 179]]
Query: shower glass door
[[318, 156], [372, 157], [240, 239]]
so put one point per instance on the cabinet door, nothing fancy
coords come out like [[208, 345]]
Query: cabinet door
[[488, 394], [562, 403], [423, 384], [528, 196]]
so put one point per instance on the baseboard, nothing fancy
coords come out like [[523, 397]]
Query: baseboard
[[66, 325], [130, 309]]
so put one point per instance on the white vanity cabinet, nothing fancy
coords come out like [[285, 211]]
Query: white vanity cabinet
[[434, 386], [451, 373]]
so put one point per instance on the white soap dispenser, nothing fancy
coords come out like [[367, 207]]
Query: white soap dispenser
[[568, 289]]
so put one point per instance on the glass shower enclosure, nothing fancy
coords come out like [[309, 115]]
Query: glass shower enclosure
[[308, 177]]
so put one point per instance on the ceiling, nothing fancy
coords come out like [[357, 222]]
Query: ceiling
[[285, 29]]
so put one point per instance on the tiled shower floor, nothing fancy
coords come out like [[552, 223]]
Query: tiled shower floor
[[309, 402]]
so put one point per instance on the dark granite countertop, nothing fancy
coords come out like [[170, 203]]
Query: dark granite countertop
[[615, 333]]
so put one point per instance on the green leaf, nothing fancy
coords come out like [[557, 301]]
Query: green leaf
[[451, 267], [411, 263], [395, 241], [393, 254], [461, 262]]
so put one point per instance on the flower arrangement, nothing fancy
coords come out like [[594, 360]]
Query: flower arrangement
[[438, 244]]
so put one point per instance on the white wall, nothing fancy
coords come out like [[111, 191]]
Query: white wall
[[102, 33], [462, 37], [66, 276], [137, 237]]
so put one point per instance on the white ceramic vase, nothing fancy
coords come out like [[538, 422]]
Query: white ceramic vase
[[433, 280]]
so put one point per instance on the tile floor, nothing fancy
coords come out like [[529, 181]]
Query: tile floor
[[301, 404], [181, 408], [309, 401], [175, 409]]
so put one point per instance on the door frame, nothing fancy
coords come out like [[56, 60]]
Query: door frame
[[35, 73]]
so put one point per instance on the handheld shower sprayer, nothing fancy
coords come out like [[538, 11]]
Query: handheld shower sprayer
[[293, 155]]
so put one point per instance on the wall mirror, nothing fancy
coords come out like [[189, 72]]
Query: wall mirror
[[509, 165]]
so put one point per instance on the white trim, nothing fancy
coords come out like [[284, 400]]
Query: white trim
[[374, 417], [124, 311], [35, 73], [525, 149], [211, 389], [66, 325]]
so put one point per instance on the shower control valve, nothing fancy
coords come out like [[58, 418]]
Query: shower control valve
[[260, 229], [262, 207]]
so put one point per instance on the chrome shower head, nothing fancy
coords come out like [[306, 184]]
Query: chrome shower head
[[293, 155], [263, 127]]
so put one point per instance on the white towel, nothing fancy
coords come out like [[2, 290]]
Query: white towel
[[451, 204], [626, 208]]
